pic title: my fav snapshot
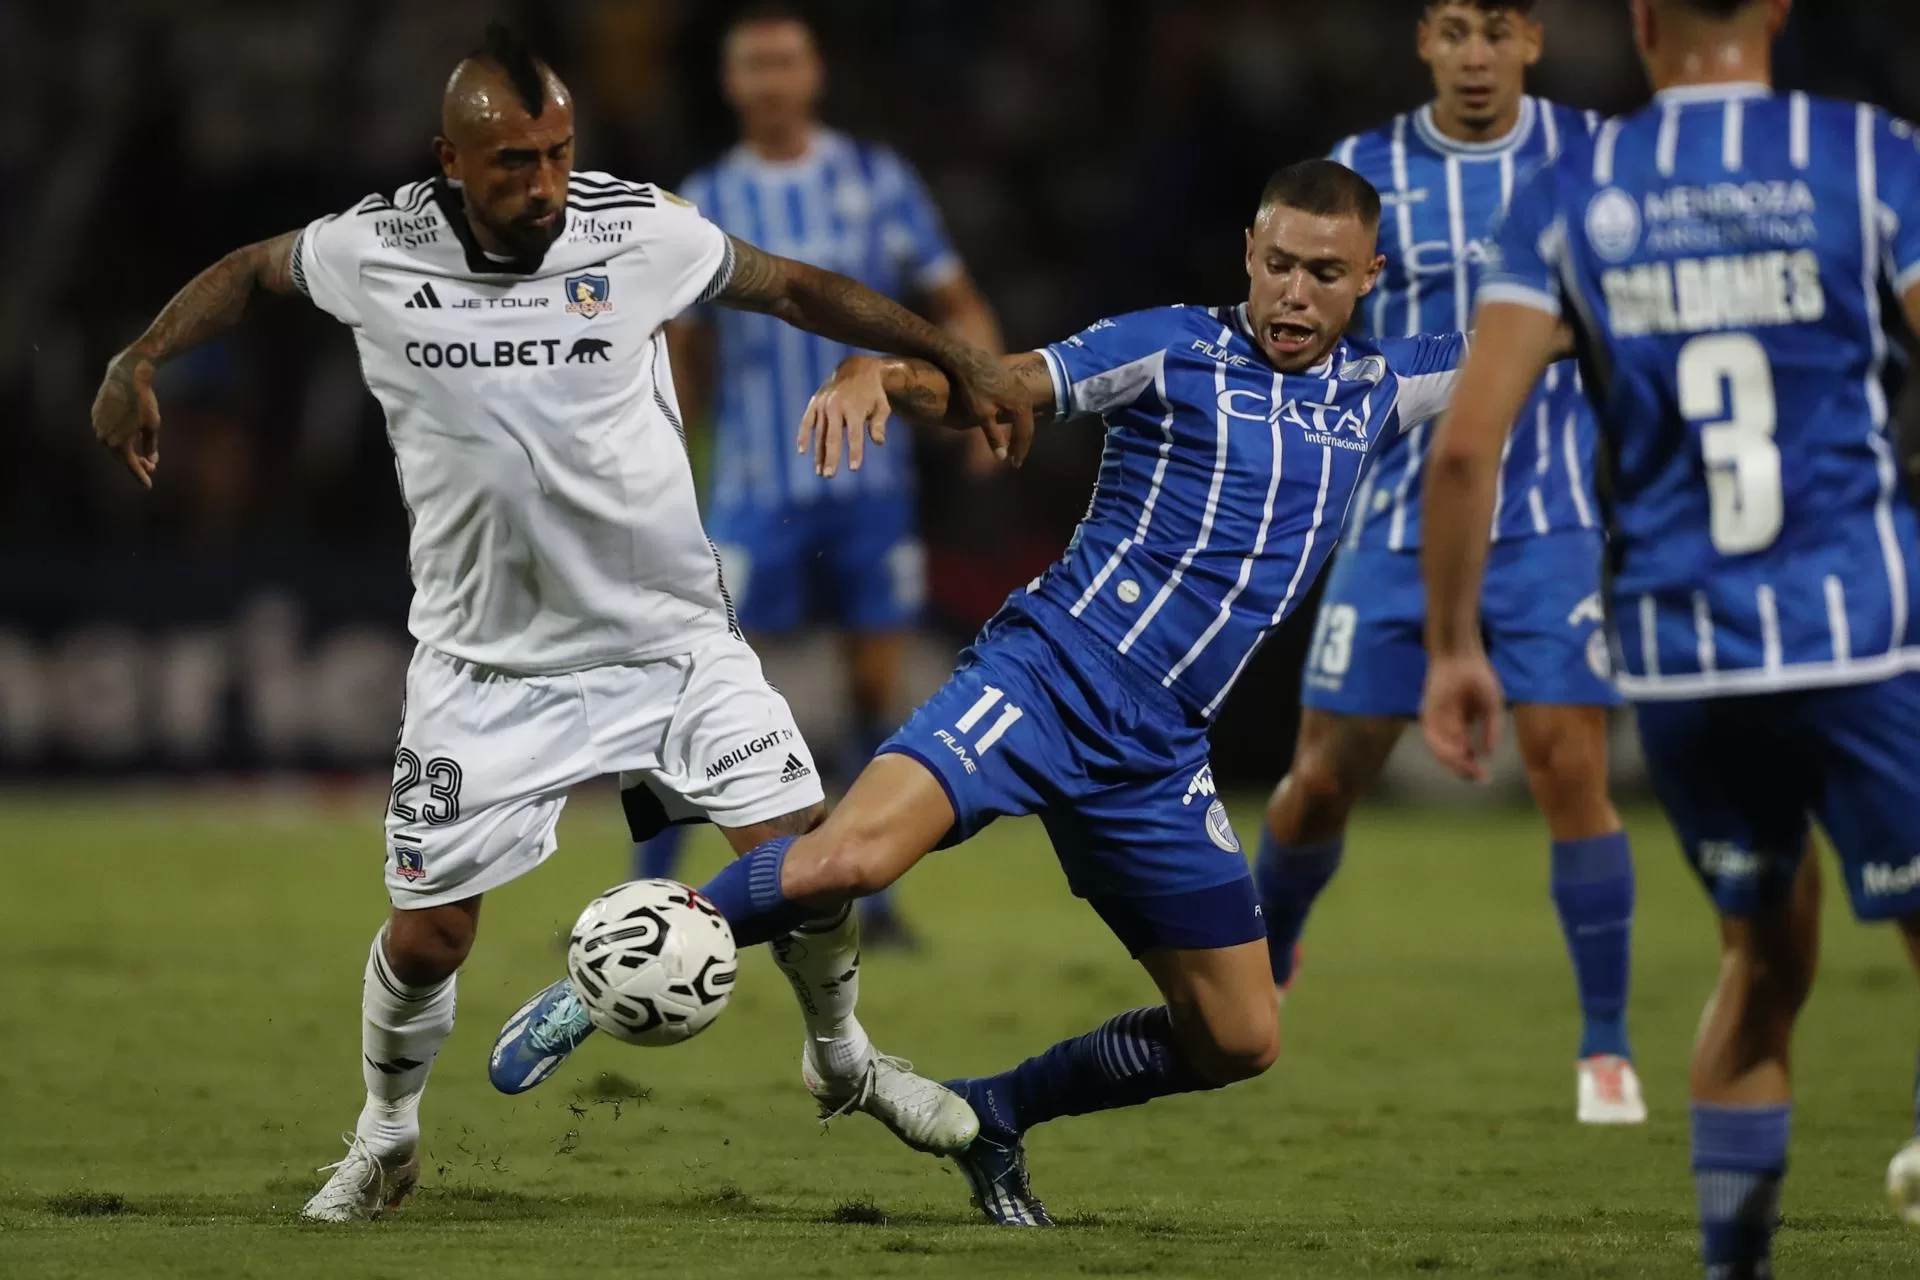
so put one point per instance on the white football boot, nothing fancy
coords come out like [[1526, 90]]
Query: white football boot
[[1903, 1182], [1610, 1091], [926, 1116], [363, 1185]]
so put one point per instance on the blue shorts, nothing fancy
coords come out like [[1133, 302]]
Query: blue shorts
[[1540, 609], [1044, 718], [1741, 778], [855, 564]]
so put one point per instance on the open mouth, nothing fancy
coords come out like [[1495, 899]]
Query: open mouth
[[1286, 338], [1476, 98]]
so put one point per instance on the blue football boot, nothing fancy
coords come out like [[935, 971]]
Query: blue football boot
[[538, 1038], [996, 1170]]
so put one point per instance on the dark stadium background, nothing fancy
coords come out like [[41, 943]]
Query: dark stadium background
[[1090, 158]]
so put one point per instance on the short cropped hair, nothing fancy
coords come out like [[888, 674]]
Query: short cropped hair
[[1522, 7], [1717, 8], [507, 49], [1322, 187], [765, 12]]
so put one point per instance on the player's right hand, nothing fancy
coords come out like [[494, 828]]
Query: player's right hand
[[848, 408], [126, 415], [1460, 713], [987, 394]]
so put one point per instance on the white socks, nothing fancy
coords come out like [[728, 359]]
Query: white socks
[[402, 1029], [822, 961]]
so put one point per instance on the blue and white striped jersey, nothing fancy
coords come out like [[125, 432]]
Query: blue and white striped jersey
[[1223, 482], [1723, 254], [850, 206], [1441, 201]]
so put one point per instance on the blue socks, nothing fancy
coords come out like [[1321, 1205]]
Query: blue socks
[[1289, 878], [747, 891], [1593, 890], [659, 858], [1124, 1062], [1739, 1157]]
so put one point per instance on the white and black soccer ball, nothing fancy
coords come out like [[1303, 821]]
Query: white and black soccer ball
[[652, 961]]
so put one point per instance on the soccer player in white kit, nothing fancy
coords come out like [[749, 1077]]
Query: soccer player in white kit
[[569, 609]]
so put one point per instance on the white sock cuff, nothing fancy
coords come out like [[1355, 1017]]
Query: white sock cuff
[[380, 969]]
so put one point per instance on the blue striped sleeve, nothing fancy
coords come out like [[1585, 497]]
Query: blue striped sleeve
[[1427, 366], [915, 234], [697, 190], [1111, 363], [1523, 264], [1897, 163]]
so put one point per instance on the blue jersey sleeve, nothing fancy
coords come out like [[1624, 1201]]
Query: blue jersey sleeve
[[1897, 162], [1109, 364], [913, 232], [1427, 367], [1524, 266]]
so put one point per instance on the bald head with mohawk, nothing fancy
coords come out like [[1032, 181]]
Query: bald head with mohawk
[[506, 140]]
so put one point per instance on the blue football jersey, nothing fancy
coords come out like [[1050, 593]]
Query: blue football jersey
[[1723, 255], [1223, 483], [850, 206], [1441, 201]]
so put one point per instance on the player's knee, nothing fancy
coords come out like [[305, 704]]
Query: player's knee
[[1228, 1048], [841, 860], [1316, 796], [1566, 764]]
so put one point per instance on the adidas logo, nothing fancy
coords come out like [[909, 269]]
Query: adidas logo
[[424, 296], [795, 769]]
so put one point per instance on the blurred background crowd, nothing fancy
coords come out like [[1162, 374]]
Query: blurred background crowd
[[1090, 156]]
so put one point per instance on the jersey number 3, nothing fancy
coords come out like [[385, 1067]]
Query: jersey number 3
[[1726, 386]]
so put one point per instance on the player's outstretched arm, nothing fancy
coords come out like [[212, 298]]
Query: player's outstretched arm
[[844, 310], [1512, 347], [855, 403], [126, 415]]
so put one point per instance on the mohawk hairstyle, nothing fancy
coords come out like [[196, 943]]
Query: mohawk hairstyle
[[508, 50], [1323, 187]]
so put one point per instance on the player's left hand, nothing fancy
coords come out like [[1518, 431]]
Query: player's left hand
[[986, 394], [126, 415], [849, 407], [1460, 713]]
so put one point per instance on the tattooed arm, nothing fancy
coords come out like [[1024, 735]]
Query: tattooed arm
[[819, 301], [864, 391], [126, 414]]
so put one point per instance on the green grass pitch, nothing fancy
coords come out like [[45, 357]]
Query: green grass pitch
[[179, 990]]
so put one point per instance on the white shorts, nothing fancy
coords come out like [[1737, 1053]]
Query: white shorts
[[486, 759]]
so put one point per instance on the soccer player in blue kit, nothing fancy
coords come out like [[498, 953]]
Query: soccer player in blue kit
[[1235, 438], [1722, 255], [798, 548], [1445, 173]]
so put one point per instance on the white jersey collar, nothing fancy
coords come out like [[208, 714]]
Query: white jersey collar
[[1714, 92], [1522, 129], [820, 142]]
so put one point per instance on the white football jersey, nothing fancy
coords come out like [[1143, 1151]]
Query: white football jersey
[[533, 419]]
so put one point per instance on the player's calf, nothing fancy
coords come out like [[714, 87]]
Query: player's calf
[[1564, 750], [1336, 758], [428, 946]]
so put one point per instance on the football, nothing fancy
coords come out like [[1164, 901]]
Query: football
[[653, 962]]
